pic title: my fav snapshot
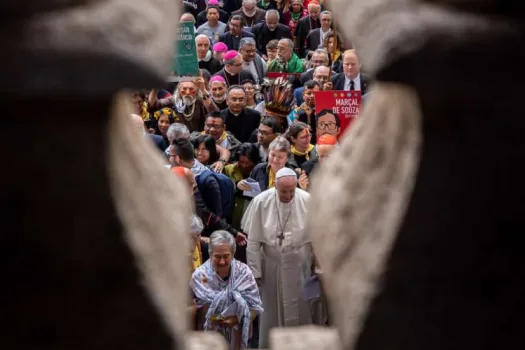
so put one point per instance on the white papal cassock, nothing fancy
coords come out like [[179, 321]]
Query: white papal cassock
[[283, 267]]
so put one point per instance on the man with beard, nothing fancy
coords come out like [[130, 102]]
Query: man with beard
[[236, 33], [218, 88], [305, 25], [205, 56], [269, 30], [306, 111], [252, 62], [190, 101], [287, 61], [251, 13], [240, 121], [232, 71]]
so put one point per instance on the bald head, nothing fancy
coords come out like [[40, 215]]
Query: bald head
[[138, 123], [314, 9], [187, 17]]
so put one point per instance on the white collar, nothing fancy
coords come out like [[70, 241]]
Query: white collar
[[357, 80]]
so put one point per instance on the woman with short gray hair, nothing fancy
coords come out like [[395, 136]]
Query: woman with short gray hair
[[226, 291], [264, 173]]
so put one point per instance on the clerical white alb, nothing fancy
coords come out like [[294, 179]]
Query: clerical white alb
[[279, 253]]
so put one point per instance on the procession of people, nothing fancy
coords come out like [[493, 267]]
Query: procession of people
[[246, 135]]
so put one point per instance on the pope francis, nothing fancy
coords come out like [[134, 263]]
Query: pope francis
[[279, 253]]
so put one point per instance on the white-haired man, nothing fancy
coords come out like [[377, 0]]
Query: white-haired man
[[250, 12], [287, 61], [205, 56], [191, 101], [279, 252], [226, 291]]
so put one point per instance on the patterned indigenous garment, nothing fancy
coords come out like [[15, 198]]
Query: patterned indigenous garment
[[240, 288]]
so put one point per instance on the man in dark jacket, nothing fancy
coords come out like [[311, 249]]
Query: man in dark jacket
[[251, 14], [304, 26], [351, 79], [232, 72], [233, 37], [205, 56], [240, 121], [269, 30], [182, 154]]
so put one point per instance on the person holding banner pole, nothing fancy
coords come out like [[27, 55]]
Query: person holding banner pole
[[191, 102]]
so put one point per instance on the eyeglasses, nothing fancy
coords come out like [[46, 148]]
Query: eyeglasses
[[264, 133], [324, 126], [213, 126]]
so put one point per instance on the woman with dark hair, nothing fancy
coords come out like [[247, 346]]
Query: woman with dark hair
[[302, 150], [334, 45], [162, 119], [247, 156], [205, 150]]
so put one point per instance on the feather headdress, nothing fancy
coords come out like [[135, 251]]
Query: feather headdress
[[278, 96]]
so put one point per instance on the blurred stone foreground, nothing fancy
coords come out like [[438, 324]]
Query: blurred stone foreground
[[423, 249]]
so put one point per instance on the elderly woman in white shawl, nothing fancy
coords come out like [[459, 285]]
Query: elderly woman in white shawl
[[226, 289]]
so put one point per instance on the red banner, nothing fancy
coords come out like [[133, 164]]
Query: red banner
[[344, 107]]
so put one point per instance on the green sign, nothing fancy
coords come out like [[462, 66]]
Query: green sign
[[185, 64]]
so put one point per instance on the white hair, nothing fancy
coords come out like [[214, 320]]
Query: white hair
[[289, 42], [280, 144], [177, 131], [196, 224], [272, 12], [247, 41], [326, 13], [249, 2], [202, 36], [221, 237]]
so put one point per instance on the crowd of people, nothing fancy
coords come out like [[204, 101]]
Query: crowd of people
[[246, 138]]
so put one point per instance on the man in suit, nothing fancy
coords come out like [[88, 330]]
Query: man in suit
[[251, 13], [233, 37], [315, 38], [269, 30], [351, 79], [305, 25]]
